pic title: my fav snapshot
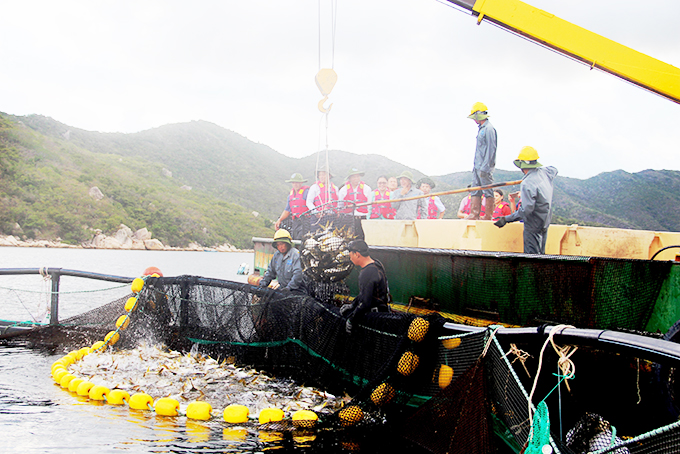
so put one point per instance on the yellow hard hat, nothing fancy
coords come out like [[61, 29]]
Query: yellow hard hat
[[283, 236], [479, 111], [528, 158]]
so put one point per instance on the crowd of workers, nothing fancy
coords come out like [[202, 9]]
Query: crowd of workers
[[402, 197]]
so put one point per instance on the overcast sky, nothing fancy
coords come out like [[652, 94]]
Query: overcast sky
[[408, 74]]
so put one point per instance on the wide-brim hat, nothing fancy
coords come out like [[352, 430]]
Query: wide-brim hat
[[426, 180], [296, 178], [324, 169], [406, 174], [354, 171], [527, 164]]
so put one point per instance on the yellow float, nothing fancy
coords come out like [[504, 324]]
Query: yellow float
[[84, 388], [351, 415], [199, 410], [118, 397], [418, 329], [407, 363], [305, 418], [123, 321], [131, 304], [236, 414], [73, 385], [137, 285], [98, 392], [382, 394], [166, 407], [271, 414], [140, 401]]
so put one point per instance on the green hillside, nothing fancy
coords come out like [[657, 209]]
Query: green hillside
[[198, 182], [45, 181]]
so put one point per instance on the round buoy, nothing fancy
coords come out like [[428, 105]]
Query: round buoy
[[58, 365], [67, 360], [117, 397], [199, 410], [445, 376], [73, 385], [305, 418], [84, 388], [137, 285], [98, 392], [153, 272], [271, 414], [123, 321], [131, 304], [111, 337], [350, 415], [451, 343], [65, 380], [407, 363], [84, 352], [236, 414], [58, 374], [382, 394], [97, 345], [166, 406], [418, 329], [140, 401]]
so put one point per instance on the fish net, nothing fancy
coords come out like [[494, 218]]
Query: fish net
[[444, 392]]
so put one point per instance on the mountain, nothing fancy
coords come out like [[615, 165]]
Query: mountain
[[198, 182]]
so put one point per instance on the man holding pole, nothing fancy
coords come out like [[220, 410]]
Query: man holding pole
[[484, 164]]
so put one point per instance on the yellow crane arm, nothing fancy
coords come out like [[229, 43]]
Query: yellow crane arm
[[579, 43]]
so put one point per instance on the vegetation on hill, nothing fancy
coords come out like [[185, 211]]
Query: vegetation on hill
[[198, 182], [44, 194]]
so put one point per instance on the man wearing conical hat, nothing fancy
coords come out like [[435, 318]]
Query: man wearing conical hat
[[536, 192], [295, 206], [484, 163]]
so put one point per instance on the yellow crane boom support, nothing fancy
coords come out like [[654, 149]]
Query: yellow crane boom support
[[579, 43]]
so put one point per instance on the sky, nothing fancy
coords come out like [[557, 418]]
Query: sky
[[408, 73]]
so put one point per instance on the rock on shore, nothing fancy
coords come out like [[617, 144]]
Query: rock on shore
[[124, 238]]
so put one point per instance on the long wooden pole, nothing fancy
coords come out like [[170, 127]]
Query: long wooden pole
[[453, 191]]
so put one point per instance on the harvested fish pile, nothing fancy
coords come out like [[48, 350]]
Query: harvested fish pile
[[325, 256], [160, 372]]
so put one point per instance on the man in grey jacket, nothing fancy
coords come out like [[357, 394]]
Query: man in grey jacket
[[537, 192], [409, 208], [285, 265], [484, 164]]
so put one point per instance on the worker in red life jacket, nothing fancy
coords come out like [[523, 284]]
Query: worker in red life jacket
[[501, 207], [295, 206], [465, 205], [323, 191], [353, 193], [435, 207], [381, 210]]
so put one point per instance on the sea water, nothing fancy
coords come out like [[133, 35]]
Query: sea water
[[38, 416]]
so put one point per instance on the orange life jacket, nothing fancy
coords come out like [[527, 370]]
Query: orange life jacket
[[382, 209]]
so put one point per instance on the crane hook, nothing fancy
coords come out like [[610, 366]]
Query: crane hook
[[322, 108]]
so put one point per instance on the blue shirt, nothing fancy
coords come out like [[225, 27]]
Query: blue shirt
[[287, 269]]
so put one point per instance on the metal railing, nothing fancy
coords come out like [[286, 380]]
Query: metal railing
[[55, 276]]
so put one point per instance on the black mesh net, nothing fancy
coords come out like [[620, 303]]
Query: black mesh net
[[443, 392]]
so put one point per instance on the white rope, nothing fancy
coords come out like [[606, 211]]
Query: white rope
[[564, 362]]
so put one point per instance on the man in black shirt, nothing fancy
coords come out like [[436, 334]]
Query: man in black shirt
[[373, 289]]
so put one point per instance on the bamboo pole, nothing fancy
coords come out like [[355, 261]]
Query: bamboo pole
[[453, 191]]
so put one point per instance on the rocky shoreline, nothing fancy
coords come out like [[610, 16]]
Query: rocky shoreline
[[124, 238]]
